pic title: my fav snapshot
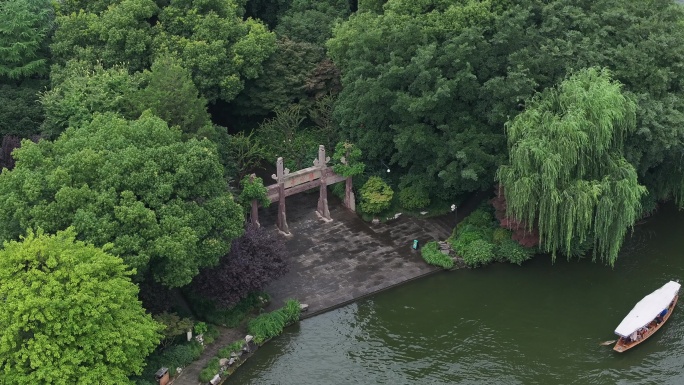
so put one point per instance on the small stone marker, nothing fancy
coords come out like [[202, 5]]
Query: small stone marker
[[215, 380], [303, 307], [248, 338]]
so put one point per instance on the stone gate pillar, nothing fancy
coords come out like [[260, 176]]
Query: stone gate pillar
[[280, 177], [323, 196], [255, 207]]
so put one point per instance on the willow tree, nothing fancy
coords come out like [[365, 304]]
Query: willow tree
[[567, 173]]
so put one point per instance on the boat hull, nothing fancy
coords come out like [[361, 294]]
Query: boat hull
[[622, 345]]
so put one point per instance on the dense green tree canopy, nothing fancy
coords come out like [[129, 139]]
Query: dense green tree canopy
[[428, 85], [24, 29], [70, 314], [210, 39], [311, 21], [639, 41], [567, 173], [112, 32], [161, 202], [80, 90], [215, 44], [282, 83], [171, 95], [413, 82], [21, 113]]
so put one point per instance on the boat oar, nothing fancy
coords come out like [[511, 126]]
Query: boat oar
[[606, 343]]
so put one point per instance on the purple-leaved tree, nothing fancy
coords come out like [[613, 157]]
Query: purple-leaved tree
[[254, 260]]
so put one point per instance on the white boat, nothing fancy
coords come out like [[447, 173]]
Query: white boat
[[647, 316]]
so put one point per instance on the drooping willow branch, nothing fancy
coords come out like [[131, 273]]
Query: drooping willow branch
[[567, 173]]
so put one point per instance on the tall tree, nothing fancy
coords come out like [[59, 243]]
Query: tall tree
[[21, 113], [215, 44], [311, 21], [80, 89], [209, 38], [413, 85], [25, 26], [70, 314], [112, 32], [170, 94], [567, 172], [162, 202]]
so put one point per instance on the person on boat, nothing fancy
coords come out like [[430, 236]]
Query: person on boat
[[659, 317]]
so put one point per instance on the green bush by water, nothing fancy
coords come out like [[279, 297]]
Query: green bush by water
[[479, 240], [478, 253], [432, 255], [232, 348], [269, 325], [513, 252]]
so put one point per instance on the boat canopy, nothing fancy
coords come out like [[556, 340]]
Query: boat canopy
[[647, 309]]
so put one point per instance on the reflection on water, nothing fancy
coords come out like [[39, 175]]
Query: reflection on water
[[536, 324]]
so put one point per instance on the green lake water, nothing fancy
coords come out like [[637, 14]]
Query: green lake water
[[540, 323]]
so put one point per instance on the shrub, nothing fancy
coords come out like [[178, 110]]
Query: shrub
[[480, 218], [432, 255], [291, 311], [500, 235], [465, 238], [376, 196], [266, 326], [181, 355], [201, 328], [175, 327], [478, 253], [210, 370], [230, 317], [211, 334], [172, 358], [253, 189], [414, 198], [233, 347], [513, 252], [269, 325], [255, 259]]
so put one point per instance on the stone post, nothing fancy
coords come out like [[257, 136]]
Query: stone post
[[323, 196], [255, 207], [280, 177], [349, 199]]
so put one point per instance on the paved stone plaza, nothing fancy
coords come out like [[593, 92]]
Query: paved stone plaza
[[337, 262], [334, 263]]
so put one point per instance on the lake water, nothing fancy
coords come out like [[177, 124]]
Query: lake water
[[540, 323]]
